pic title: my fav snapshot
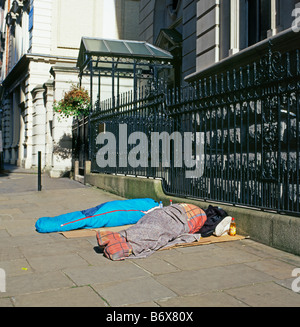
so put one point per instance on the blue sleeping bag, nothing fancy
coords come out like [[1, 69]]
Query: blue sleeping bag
[[108, 214]]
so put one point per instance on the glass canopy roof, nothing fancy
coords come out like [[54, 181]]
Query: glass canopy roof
[[104, 50], [119, 59]]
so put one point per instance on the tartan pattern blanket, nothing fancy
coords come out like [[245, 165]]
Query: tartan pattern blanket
[[196, 217], [158, 229], [115, 245]]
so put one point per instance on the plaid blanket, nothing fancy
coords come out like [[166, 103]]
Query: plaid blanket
[[196, 217], [158, 229], [115, 246]]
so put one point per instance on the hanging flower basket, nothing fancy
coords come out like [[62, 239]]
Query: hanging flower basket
[[75, 103]]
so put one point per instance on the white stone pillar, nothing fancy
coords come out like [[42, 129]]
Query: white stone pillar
[[234, 26], [22, 140], [20, 161], [16, 117], [273, 29], [39, 123], [7, 128], [48, 86], [28, 117]]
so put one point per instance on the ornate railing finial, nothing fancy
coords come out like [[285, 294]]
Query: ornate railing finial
[[271, 65]]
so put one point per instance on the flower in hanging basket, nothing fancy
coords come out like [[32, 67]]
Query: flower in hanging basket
[[75, 103]]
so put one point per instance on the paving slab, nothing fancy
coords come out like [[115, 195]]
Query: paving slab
[[273, 267], [68, 297], [216, 278], [6, 303], [4, 235], [118, 271], [55, 248], [16, 227], [209, 257], [25, 240], [18, 267], [265, 295], [134, 291], [32, 283], [10, 253], [211, 299], [156, 266], [56, 262]]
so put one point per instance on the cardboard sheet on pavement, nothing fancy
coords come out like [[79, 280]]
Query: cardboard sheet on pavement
[[209, 240], [206, 240]]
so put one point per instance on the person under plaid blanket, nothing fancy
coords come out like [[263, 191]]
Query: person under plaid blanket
[[160, 228]]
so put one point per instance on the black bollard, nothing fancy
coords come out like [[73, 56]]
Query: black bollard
[[39, 171]]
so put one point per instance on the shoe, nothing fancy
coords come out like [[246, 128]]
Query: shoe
[[223, 227]]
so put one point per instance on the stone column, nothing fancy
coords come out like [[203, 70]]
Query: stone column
[[48, 87], [28, 118], [20, 160], [7, 128], [234, 26], [16, 117], [23, 125], [39, 123], [273, 29]]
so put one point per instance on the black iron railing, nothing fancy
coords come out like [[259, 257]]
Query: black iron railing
[[240, 125]]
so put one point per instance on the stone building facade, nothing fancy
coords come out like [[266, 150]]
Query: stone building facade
[[203, 32], [40, 40]]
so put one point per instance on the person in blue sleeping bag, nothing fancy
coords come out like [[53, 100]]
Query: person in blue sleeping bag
[[108, 214]]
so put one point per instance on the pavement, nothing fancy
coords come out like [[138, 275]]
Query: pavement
[[49, 270]]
